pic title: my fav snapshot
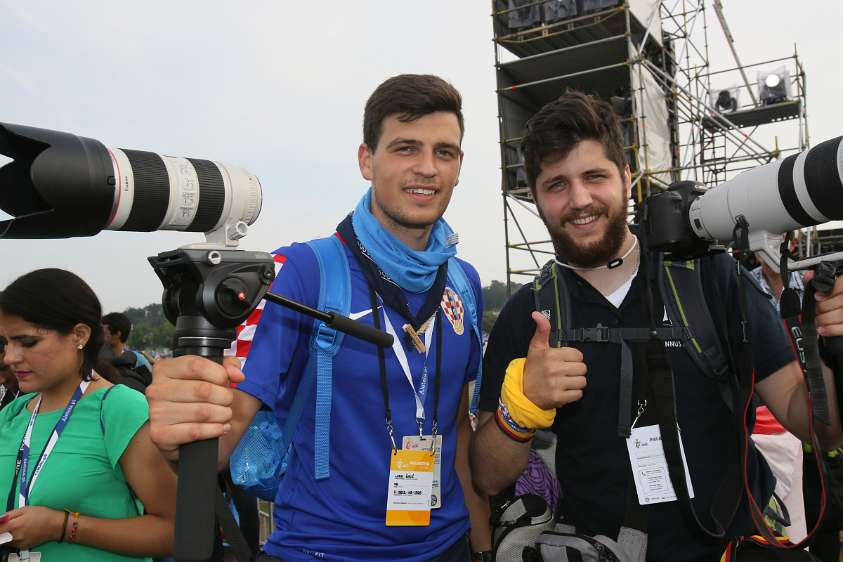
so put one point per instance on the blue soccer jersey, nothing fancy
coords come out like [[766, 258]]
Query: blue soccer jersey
[[342, 517]]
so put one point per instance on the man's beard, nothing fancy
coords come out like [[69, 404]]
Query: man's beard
[[594, 254]]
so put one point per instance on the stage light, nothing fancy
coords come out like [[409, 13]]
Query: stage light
[[774, 87], [772, 81]]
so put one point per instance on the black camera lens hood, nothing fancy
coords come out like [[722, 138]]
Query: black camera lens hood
[[58, 185]]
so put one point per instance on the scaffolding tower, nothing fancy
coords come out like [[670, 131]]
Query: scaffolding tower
[[681, 120]]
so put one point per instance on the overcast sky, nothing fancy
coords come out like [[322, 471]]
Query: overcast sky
[[279, 87]]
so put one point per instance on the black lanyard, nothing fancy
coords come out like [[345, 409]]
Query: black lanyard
[[437, 328]]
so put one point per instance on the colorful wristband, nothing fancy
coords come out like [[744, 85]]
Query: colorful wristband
[[74, 526], [507, 429]]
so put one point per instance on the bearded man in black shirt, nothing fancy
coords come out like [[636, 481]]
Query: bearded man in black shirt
[[581, 184]]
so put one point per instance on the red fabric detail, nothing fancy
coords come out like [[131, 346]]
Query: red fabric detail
[[252, 320], [766, 423]]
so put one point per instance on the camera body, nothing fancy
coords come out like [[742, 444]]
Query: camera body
[[665, 221], [799, 191]]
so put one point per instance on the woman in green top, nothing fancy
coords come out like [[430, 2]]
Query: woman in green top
[[80, 477]]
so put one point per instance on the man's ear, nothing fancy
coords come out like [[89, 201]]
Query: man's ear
[[364, 160], [462, 161], [627, 181]]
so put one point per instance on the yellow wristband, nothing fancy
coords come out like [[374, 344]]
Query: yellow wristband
[[521, 409]]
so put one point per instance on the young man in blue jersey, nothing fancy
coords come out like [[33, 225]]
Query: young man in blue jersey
[[397, 246]]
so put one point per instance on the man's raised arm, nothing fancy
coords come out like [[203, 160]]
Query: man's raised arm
[[532, 390]]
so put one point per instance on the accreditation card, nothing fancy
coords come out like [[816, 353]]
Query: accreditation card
[[415, 442], [410, 488], [649, 466], [33, 557]]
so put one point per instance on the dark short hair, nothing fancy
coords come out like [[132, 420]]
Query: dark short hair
[[563, 123], [118, 322], [409, 96], [58, 300]]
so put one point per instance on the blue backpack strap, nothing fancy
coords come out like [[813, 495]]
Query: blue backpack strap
[[460, 283], [334, 296], [301, 398]]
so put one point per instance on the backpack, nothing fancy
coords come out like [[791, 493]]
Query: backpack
[[691, 323], [133, 374], [515, 527], [562, 543], [680, 287], [261, 457]]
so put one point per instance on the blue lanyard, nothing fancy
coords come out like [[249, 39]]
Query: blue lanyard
[[22, 462]]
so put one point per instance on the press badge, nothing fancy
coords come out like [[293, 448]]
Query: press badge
[[410, 488], [33, 557], [416, 443], [649, 466]]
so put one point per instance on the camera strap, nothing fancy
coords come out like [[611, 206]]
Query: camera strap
[[657, 377]]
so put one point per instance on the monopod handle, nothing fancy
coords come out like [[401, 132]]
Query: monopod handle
[[359, 330], [334, 320], [196, 525]]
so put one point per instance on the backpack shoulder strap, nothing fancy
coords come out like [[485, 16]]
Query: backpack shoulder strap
[[104, 396], [334, 296], [685, 303], [554, 301], [460, 283]]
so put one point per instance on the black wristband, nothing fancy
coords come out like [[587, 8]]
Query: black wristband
[[484, 556], [64, 526]]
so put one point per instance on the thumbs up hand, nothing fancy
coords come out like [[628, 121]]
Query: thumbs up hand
[[553, 376]]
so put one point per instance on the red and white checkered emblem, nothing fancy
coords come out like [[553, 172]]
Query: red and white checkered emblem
[[246, 331], [453, 309]]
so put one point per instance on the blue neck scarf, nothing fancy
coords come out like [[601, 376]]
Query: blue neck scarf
[[412, 270]]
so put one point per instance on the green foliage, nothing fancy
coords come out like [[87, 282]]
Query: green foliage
[[151, 314], [150, 330], [495, 295], [489, 317]]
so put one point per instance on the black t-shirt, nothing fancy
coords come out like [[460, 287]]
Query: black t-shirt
[[592, 462]]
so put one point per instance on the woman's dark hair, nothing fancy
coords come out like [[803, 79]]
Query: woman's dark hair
[[58, 300]]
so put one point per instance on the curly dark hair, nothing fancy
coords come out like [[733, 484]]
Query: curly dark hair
[[563, 123]]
